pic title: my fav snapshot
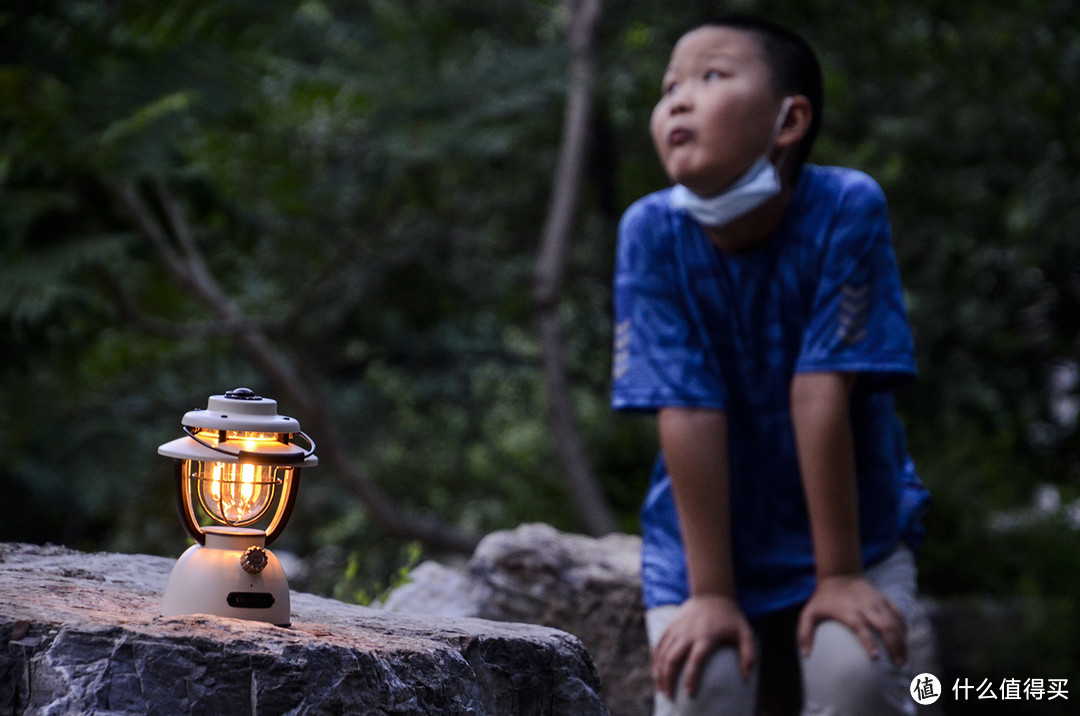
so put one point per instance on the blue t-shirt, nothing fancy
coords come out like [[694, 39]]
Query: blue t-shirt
[[699, 327]]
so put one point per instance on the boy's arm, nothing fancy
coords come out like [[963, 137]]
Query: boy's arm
[[695, 446], [823, 433]]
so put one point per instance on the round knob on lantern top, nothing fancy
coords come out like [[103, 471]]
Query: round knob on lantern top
[[253, 560], [242, 394]]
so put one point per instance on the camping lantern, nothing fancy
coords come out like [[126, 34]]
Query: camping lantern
[[239, 466]]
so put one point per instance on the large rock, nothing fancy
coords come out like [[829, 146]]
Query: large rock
[[80, 633], [590, 588], [536, 574]]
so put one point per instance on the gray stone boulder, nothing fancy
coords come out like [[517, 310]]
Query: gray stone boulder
[[586, 586], [81, 633], [590, 588]]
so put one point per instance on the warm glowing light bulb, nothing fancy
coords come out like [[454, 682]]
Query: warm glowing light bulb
[[246, 483], [215, 482], [236, 493]]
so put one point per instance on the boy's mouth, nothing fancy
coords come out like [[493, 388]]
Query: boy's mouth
[[679, 136]]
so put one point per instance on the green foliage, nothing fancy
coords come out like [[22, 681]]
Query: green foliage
[[353, 585], [368, 181]]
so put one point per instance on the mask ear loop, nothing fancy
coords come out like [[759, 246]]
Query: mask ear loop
[[777, 128]]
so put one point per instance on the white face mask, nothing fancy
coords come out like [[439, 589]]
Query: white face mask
[[760, 183]]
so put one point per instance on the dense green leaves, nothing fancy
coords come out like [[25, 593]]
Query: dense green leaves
[[367, 181]]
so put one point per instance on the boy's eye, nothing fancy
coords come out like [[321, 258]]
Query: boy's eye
[[670, 88], [713, 75]]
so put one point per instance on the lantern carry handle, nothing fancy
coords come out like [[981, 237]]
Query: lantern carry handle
[[309, 441]]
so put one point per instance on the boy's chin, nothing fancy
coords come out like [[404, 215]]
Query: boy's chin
[[695, 182], [681, 173], [687, 180], [698, 188], [704, 187]]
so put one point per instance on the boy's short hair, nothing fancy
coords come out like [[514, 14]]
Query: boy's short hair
[[795, 69]]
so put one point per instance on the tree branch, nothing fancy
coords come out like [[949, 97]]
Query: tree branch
[[142, 218], [189, 268], [550, 268], [132, 315]]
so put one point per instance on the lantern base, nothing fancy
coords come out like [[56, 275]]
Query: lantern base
[[210, 580]]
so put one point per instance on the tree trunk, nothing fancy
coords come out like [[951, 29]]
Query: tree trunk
[[550, 268]]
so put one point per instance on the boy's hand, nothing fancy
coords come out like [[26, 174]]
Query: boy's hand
[[702, 624], [859, 605]]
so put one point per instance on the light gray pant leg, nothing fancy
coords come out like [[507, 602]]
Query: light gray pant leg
[[721, 691], [840, 678]]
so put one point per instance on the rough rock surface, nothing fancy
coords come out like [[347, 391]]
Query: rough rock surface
[[80, 633], [590, 588], [536, 574]]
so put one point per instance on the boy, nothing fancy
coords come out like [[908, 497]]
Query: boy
[[759, 313]]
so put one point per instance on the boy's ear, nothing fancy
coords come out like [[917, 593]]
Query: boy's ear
[[796, 124]]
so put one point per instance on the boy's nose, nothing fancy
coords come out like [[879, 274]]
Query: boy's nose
[[681, 101]]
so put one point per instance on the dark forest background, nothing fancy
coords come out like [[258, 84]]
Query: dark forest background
[[398, 218]]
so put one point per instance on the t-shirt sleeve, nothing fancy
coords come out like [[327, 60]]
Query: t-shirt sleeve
[[858, 321], [659, 358]]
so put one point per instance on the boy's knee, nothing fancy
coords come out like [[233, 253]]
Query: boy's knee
[[840, 678], [722, 690]]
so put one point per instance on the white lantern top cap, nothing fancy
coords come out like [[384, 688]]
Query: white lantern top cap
[[242, 410]]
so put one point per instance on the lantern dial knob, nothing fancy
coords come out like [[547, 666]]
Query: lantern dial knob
[[242, 394], [253, 560]]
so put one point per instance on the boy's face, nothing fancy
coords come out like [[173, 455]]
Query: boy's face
[[717, 111]]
